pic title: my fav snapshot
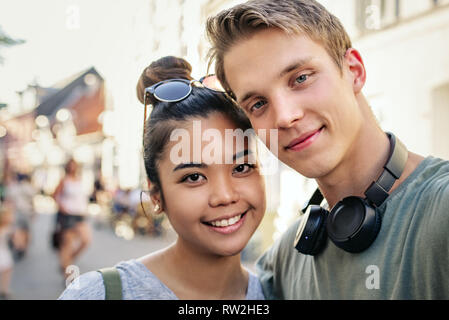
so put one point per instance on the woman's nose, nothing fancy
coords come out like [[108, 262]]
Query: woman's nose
[[223, 192]]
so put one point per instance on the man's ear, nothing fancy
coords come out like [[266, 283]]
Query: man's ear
[[356, 68]]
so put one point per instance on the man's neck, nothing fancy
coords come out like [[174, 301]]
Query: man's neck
[[362, 164]]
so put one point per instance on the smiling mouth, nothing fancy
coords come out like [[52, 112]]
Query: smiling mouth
[[223, 223], [304, 142]]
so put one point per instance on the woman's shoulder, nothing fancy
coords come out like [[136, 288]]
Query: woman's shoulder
[[254, 291], [88, 286], [139, 283]]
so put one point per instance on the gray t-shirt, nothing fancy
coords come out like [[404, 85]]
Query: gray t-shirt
[[408, 260], [138, 283]]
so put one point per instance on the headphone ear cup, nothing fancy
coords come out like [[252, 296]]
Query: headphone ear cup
[[353, 224], [321, 239], [376, 227], [311, 235]]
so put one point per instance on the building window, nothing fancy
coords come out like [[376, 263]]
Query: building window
[[374, 15]]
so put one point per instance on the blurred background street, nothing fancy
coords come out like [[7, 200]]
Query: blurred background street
[[37, 275]]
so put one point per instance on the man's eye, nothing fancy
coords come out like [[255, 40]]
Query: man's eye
[[302, 78], [257, 106]]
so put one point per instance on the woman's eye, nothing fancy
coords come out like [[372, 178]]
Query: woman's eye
[[302, 78], [243, 168], [193, 178]]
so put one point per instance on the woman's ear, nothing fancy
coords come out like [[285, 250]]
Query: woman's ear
[[155, 196], [356, 68]]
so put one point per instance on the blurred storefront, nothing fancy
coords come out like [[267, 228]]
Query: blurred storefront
[[67, 121]]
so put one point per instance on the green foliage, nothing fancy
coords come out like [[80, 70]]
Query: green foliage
[[7, 41]]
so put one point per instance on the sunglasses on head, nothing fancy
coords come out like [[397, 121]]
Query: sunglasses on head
[[175, 90]]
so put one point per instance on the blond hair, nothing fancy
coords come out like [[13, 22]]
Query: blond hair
[[291, 16]]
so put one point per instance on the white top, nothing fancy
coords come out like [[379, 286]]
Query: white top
[[73, 197]]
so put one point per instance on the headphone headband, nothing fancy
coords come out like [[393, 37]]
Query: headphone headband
[[377, 192]]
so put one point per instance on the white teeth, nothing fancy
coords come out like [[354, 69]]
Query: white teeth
[[225, 223]]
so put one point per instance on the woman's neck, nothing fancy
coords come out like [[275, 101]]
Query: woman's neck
[[196, 275]]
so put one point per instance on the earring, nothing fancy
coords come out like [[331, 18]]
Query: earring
[[156, 207]]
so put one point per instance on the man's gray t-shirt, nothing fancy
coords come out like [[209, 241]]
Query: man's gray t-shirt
[[408, 260], [138, 283]]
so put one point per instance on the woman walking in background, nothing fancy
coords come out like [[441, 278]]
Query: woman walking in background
[[72, 201]]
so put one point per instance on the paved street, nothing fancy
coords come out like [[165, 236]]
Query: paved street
[[37, 275]]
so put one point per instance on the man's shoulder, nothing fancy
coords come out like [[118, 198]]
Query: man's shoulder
[[433, 179], [284, 246], [288, 237], [429, 181]]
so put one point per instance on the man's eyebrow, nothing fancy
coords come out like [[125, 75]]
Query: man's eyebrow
[[189, 165], [242, 154], [295, 65], [246, 97]]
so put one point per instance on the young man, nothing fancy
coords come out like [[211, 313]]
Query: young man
[[291, 66]]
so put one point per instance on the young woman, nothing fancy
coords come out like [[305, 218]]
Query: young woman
[[72, 203], [210, 189]]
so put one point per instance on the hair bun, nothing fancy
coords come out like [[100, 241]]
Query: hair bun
[[165, 68]]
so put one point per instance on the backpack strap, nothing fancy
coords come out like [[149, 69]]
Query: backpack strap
[[112, 283]]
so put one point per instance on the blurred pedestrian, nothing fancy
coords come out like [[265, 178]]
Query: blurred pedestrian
[[72, 201], [6, 258], [20, 193]]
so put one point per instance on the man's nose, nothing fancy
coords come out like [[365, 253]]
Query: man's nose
[[223, 192], [287, 110]]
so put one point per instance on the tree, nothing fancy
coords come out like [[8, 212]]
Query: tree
[[7, 41]]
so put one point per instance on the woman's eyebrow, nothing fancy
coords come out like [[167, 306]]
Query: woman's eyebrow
[[190, 165]]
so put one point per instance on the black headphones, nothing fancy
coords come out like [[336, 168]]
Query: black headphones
[[353, 223]]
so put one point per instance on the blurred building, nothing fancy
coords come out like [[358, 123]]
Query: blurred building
[[53, 124]]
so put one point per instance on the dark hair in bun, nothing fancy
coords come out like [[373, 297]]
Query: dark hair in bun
[[167, 116], [163, 69]]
